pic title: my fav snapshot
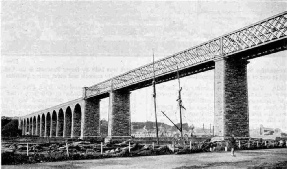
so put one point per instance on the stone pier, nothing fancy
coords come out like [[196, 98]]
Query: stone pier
[[119, 124], [231, 98], [91, 118]]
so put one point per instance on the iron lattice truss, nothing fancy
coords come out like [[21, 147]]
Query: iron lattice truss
[[260, 33]]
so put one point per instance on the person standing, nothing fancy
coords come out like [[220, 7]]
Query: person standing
[[232, 144]]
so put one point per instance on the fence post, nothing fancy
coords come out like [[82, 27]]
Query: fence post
[[189, 145], [173, 147], [239, 144], [129, 147], [27, 149], [67, 149], [257, 144], [101, 147], [153, 145]]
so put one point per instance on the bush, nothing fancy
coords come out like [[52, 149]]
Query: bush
[[8, 158]]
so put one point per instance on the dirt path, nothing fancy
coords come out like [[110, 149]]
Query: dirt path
[[244, 159]]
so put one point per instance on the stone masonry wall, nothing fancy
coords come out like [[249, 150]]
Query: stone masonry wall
[[231, 98], [92, 118], [119, 114]]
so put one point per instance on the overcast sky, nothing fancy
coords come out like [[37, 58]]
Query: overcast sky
[[50, 50]]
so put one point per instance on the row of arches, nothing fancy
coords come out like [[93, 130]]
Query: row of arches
[[54, 124]]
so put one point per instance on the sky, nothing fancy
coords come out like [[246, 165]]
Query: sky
[[51, 49]]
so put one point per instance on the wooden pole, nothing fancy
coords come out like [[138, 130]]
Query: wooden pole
[[179, 103], [170, 120], [154, 99], [173, 146]]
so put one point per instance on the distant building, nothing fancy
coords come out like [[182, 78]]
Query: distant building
[[169, 131], [140, 132], [269, 131], [202, 132], [266, 133], [144, 132]]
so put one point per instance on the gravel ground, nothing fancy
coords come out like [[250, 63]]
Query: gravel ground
[[266, 158]]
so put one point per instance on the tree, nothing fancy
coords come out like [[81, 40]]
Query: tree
[[11, 129]]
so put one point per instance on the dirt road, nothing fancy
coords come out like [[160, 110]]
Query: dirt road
[[244, 159]]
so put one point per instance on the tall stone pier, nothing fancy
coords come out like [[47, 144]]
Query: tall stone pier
[[119, 125], [231, 98], [91, 118]]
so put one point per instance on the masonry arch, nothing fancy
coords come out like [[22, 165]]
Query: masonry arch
[[68, 122], [54, 124], [48, 124], [43, 122], [38, 125], [77, 115], [60, 123]]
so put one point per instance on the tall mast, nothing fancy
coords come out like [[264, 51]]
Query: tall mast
[[179, 102], [154, 99]]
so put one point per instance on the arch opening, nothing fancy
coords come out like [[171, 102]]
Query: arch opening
[[68, 122], [54, 124], [43, 121], [48, 125], [26, 126], [60, 123], [38, 125], [31, 126], [77, 121], [34, 126]]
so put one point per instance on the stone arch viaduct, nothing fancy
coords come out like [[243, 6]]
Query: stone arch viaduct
[[228, 55]]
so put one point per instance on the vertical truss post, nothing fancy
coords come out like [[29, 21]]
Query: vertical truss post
[[221, 46]]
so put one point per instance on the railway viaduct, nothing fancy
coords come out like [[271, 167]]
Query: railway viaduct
[[228, 55]]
